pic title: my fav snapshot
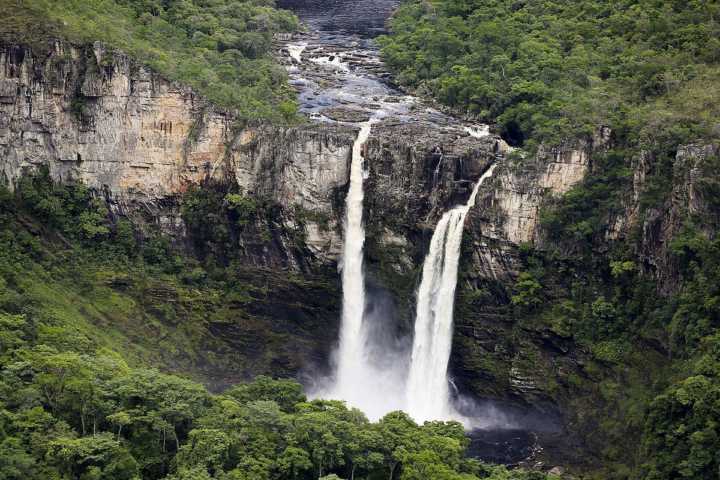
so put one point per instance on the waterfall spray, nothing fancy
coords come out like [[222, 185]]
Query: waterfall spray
[[427, 394]]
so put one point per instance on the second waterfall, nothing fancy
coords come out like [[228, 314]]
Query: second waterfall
[[427, 394]]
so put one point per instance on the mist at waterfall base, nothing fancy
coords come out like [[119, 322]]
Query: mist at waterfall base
[[377, 369]]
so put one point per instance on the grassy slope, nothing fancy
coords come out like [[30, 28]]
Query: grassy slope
[[120, 288]]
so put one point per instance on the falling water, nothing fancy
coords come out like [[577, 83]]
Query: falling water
[[351, 360], [427, 394]]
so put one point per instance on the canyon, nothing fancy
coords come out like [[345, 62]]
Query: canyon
[[93, 115]]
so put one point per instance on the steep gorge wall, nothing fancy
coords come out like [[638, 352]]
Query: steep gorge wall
[[96, 116], [141, 143], [411, 184]]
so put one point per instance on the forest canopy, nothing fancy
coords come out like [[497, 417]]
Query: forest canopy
[[548, 70]]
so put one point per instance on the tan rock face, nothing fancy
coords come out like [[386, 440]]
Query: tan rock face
[[304, 168], [96, 117], [522, 185]]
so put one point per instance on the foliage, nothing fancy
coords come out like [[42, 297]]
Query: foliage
[[651, 360], [83, 415], [682, 439], [528, 290], [135, 290], [546, 71], [219, 47], [581, 216]]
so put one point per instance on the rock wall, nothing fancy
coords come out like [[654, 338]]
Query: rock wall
[[693, 197], [96, 116]]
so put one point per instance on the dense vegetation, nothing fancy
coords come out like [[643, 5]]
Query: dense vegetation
[[77, 402], [551, 72], [547, 70], [66, 258], [646, 397], [219, 47]]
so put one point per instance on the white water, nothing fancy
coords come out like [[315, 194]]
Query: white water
[[360, 378], [352, 337], [427, 394], [478, 131], [372, 367], [332, 62], [295, 50]]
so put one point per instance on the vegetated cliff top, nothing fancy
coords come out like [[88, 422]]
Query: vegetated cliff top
[[545, 70], [221, 48]]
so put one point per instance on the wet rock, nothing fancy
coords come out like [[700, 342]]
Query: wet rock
[[347, 114], [557, 471]]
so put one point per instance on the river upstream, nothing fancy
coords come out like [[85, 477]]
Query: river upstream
[[335, 67]]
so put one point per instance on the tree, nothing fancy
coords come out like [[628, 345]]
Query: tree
[[97, 456], [286, 393], [206, 447], [294, 462]]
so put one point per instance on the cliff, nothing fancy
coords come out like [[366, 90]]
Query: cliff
[[143, 143], [95, 116]]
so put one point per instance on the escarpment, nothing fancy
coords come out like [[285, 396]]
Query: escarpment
[[93, 115]]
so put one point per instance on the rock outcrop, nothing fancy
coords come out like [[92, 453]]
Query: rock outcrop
[[95, 116], [692, 197]]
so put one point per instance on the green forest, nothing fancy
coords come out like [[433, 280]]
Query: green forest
[[544, 71]]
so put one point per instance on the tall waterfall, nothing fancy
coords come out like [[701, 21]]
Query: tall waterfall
[[427, 394], [351, 358]]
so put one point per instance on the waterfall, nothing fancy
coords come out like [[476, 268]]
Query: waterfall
[[427, 394], [295, 51], [351, 359]]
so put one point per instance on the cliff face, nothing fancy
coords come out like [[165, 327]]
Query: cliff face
[[142, 142], [97, 117], [693, 196], [93, 115]]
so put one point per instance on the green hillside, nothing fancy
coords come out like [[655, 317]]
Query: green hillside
[[548, 70]]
